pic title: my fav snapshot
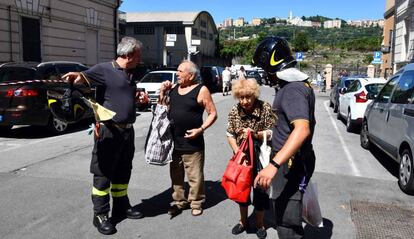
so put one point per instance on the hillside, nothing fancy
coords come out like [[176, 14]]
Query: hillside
[[347, 47]]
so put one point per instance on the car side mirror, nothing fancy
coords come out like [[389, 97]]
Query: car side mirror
[[343, 90]]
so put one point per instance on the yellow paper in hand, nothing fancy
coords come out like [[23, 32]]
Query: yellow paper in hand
[[101, 113]]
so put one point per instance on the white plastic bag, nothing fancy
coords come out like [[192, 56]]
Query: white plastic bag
[[265, 150], [311, 212]]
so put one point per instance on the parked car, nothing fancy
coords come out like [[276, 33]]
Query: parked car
[[211, 77], [389, 124], [26, 92], [354, 101], [254, 74], [151, 82], [53, 70], [334, 95]]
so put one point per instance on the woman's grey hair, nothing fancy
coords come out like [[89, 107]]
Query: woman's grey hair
[[127, 45], [191, 67], [247, 86]]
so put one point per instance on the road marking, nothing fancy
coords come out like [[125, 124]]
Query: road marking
[[349, 157]]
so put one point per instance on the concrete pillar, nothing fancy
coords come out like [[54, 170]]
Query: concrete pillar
[[328, 76], [371, 71]]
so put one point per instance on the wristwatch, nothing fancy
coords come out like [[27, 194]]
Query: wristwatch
[[272, 162]]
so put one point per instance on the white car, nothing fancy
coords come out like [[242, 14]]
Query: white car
[[151, 82], [354, 101]]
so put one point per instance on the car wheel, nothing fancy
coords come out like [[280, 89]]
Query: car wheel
[[57, 126], [405, 175], [364, 138], [349, 125]]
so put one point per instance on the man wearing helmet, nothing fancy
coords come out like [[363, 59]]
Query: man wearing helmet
[[293, 159]]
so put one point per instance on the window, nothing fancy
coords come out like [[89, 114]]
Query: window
[[122, 30], [356, 85], [157, 77], [385, 93], [31, 39], [144, 30], [174, 30], [210, 36], [195, 31], [203, 23], [404, 90], [14, 74], [374, 88], [203, 34]]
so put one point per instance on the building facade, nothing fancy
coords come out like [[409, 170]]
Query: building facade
[[256, 22], [332, 24], [228, 22], [239, 22], [42, 30], [171, 37], [387, 43], [404, 33]]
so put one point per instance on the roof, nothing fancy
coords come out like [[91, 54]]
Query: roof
[[59, 62], [185, 17]]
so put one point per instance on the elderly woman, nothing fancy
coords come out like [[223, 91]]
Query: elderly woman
[[256, 115]]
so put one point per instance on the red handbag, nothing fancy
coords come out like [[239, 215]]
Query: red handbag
[[237, 179]]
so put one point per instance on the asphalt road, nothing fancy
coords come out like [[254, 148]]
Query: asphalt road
[[45, 185]]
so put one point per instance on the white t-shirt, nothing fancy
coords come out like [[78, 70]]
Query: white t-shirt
[[226, 76]]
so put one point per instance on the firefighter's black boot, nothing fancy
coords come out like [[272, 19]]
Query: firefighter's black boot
[[103, 224]]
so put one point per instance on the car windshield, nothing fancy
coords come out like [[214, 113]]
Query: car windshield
[[17, 74], [157, 77], [374, 88], [347, 83]]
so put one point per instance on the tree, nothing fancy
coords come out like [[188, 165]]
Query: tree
[[300, 41]]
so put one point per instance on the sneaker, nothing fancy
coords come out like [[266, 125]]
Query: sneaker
[[238, 228], [261, 233], [103, 224]]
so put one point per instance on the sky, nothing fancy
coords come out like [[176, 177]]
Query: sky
[[222, 9]]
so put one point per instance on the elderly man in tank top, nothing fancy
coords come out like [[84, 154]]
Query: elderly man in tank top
[[188, 101]]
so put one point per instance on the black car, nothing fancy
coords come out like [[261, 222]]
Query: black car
[[211, 77], [27, 92], [254, 74]]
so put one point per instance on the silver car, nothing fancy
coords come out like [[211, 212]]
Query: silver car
[[389, 124]]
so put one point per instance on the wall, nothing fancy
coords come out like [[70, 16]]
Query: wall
[[64, 26]]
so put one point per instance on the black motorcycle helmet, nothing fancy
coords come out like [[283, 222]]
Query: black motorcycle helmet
[[273, 54], [67, 104]]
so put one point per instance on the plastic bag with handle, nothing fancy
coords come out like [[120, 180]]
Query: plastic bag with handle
[[311, 212]]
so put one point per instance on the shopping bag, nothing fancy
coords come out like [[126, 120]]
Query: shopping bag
[[159, 145], [265, 150], [237, 178], [311, 212]]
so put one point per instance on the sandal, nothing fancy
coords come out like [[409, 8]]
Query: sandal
[[196, 211]]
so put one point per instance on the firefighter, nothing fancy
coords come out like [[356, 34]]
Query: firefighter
[[114, 147], [292, 161]]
